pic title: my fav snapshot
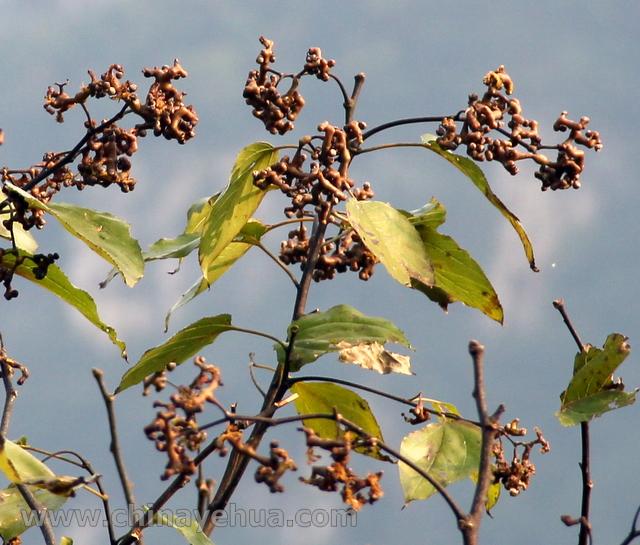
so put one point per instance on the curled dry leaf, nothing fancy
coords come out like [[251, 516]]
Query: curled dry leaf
[[374, 356]]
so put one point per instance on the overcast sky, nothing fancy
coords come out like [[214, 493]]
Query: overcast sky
[[421, 58]]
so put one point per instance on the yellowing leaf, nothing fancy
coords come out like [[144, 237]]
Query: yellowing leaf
[[391, 237], [19, 465], [477, 177], [236, 204]]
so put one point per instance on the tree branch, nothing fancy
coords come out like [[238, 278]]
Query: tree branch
[[410, 121], [585, 462], [238, 461], [471, 527], [114, 447], [10, 397]]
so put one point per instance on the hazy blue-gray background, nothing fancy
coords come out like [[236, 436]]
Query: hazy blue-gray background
[[421, 58]]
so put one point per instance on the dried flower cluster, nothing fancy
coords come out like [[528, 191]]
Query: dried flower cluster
[[106, 149], [516, 475], [487, 114], [175, 429], [321, 186], [339, 474], [271, 468], [276, 110]]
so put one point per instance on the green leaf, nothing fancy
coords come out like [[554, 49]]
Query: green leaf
[[184, 344], [448, 451], [187, 527], [57, 283], [248, 236], [170, 248], [107, 235], [23, 239], [584, 410], [15, 513], [592, 390], [595, 372], [475, 174], [341, 326], [432, 215], [391, 237], [457, 276], [236, 204], [325, 397]]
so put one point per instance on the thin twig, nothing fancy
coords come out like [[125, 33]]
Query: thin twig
[[257, 334], [114, 447], [278, 262], [409, 121], [381, 393], [585, 462], [252, 364], [393, 145]]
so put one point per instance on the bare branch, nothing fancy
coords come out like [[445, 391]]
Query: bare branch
[[114, 447]]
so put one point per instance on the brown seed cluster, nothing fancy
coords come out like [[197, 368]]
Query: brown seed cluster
[[106, 149], [522, 141], [355, 491], [322, 185], [276, 110], [515, 475], [175, 429]]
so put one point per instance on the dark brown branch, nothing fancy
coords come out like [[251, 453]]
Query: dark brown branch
[[114, 446], [10, 397], [558, 304], [238, 461], [471, 527], [635, 531], [45, 524], [585, 462]]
